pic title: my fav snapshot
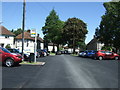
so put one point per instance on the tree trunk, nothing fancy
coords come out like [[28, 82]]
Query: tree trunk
[[53, 48], [57, 47], [73, 46]]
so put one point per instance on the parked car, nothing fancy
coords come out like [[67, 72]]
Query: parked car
[[9, 59], [80, 53], [83, 54], [62, 52], [41, 53], [58, 53], [90, 53], [105, 54], [46, 53], [13, 50]]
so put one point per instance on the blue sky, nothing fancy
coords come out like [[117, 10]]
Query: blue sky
[[36, 13]]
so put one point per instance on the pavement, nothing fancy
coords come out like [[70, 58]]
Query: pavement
[[63, 71]]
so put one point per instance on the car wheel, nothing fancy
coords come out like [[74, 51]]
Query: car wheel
[[9, 62], [100, 58], [116, 58]]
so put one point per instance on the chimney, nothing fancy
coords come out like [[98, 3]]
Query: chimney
[[28, 30], [38, 35]]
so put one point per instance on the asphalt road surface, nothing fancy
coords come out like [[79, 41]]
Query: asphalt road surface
[[63, 71]]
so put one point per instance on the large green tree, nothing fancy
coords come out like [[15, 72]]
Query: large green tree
[[17, 32], [109, 29], [75, 31], [52, 29]]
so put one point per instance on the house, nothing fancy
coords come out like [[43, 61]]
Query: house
[[94, 44], [50, 47], [28, 42], [6, 37]]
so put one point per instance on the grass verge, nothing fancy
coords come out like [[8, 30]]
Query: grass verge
[[52, 53], [73, 54], [32, 63]]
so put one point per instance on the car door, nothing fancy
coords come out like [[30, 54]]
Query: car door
[[0, 55], [108, 54]]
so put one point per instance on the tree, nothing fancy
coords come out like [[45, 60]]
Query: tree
[[52, 28], [74, 30], [109, 28], [17, 32], [8, 46]]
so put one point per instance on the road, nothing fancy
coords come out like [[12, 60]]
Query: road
[[63, 71]]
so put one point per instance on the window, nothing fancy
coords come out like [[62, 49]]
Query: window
[[108, 52], [5, 50], [6, 36], [27, 44], [102, 51]]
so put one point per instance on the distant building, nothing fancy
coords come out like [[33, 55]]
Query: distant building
[[50, 47], [6, 37], [94, 44], [28, 42]]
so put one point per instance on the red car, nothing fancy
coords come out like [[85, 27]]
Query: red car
[[105, 54], [9, 59]]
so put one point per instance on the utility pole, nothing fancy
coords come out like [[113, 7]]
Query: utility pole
[[23, 27]]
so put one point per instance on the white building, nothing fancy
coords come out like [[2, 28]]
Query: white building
[[6, 37], [28, 42], [50, 47]]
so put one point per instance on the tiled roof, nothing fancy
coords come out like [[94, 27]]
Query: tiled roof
[[27, 35], [4, 31], [93, 41]]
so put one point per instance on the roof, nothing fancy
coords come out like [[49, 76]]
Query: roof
[[27, 35], [4, 31], [51, 44], [93, 41]]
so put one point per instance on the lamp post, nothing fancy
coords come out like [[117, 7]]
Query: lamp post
[[23, 27]]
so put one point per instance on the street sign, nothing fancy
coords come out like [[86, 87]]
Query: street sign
[[33, 33]]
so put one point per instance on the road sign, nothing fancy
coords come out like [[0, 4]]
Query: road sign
[[33, 33]]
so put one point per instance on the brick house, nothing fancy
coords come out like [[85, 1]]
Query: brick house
[[94, 44]]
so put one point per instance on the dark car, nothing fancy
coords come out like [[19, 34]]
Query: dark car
[[80, 53], [9, 59], [58, 53], [46, 52], [13, 50], [88, 53], [105, 54], [91, 53], [41, 53]]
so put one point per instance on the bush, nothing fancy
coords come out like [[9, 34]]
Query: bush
[[7, 46], [107, 48]]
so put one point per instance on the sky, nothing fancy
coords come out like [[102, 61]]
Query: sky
[[36, 13]]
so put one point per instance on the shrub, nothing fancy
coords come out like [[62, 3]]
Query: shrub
[[7, 46]]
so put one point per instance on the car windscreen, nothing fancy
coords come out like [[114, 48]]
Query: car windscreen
[[16, 51], [89, 51], [11, 50], [5, 50]]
